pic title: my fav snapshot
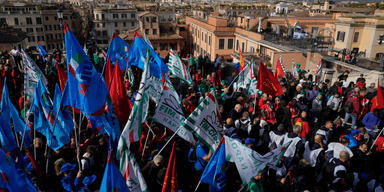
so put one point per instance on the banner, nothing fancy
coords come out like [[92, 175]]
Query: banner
[[205, 122], [155, 89], [131, 172], [170, 114], [32, 74], [242, 80], [177, 68]]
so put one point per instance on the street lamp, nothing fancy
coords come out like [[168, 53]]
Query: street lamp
[[381, 66], [60, 16]]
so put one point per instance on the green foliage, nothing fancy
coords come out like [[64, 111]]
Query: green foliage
[[277, 2], [327, 13], [269, 64]]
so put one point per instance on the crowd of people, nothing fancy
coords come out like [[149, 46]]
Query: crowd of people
[[327, 152]]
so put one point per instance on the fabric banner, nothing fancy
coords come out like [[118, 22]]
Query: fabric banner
[[170, 114], [177, 68], [32, 74], [148, 41], [155, 89], [248, 162], [318, 74], [242, 79], [131, 172], [205, 122]]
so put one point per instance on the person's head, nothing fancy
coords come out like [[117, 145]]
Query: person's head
[[284, 89], [221, 108], [327, 81], [199, 71], [280, 127], [240, 99], [296, 129], [249, 142], [185, 102], [91, 149], [222, 58], [294, 102], [277, 100], [318, 139], [229, 121], [298, 65], [14, 47], [27, 104], [263, 114], [346, 72], [344, 141], [320, 95], [376, 112], [283, 103], [38, 142], [238, 107], [363, 147], [217, 55], [329, 124], [158, 161], [344, 156], [337, 95], [304, 114], [357, 91], [304, 164], [58, 164], [265, 96], [245, 115], [298, 88], [372, 85]]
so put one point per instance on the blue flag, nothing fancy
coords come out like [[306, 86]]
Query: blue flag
[[138, 54], [7, 138], [118, 51], [45, 117], [214, 174], [112, 179], [41, 51], [13, 179], [85, 89]]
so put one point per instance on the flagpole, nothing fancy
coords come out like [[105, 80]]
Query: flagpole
[[234, 79], [17, 139], [77, 146], [166, 143], [22, 140], [241, 188], [80, 122], [376, 139], [34, 140], [145, 144], [50, 143], [198, 185]]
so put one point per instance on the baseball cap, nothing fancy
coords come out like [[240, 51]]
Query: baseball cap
[[249, 140], [89, 180], [67, 167], [302, 81]]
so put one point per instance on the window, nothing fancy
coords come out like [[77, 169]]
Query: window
[[241, 20], [47, 19], [124, 24], [173, 46], [197, 49], [169, 17], [163, 47], [40, 38], [65, 18], [16, 21], [29, 20], [198, 33], [33, 48], [48, 27], [230, 43], [201, 51], [147, 31], [105, 41], [132, 24], [102, 16], [57, 27], [116, 24], [251, 49], [105, 34], [242, 47], [209, 40], [115, 16], [221, 43], [340, 36], [154, 45], [314, 30], [163, 18], [103, 25], [194, 46], [193, 32], [237, 45], [55, 18], [124, 16], [154, 31], [133, 15], [205, 38], [97, 16], [39, 30], [58, 36], [60, 46], [117, 32], [49, 37], [202, 36], [147, 19], [50, 46], [356, 37], [29, 30], [98, 25], [31, 39], [38, 21]]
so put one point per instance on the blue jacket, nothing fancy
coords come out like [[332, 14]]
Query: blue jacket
[[370, 119], [201, 151], [71, 183], [352, 141]]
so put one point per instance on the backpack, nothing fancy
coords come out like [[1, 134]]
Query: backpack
[[244, 126], [349, 107], [192, 157]]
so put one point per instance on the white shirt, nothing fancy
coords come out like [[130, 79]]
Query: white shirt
[[84, 162], [15, 52]]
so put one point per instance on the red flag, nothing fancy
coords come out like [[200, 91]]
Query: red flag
[[136, 35], [279, 70], [62, 77], [170, 181], [113, 36], [108, 73], [119, 96], [242, 62], [267, 83], [378, 101]]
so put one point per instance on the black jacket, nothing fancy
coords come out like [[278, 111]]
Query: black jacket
[[283, 115]]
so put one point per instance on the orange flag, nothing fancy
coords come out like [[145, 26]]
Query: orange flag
[[119, 95], [62, 77], [242, 62], [108, 73], [378, 101], [267, 83], [279, 70], [170, 180]]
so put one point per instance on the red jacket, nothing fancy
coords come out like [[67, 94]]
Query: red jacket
[[304, 127], [356, 105], [198, 79]]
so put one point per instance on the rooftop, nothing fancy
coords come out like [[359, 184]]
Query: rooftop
[[9, 35]]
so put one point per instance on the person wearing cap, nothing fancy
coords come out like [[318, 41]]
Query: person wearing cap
[[249, 142], [352, 138], [70, 179], [87, 181], [300, 71]]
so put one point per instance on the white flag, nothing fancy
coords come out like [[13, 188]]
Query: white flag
[[155, 89], [205, 122], [248, 162], [242, 79], [32, 73], [177, 68], [148, 41], [131, 172], [170, 114]]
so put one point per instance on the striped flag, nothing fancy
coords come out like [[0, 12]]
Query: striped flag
[[131, 77], [104, 54], [125, 48], [205, 122], [148, 41], [281, 63], [132, 130], [318, 73], [242, 62], [31, 75], [131, 172], [177, 67]]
